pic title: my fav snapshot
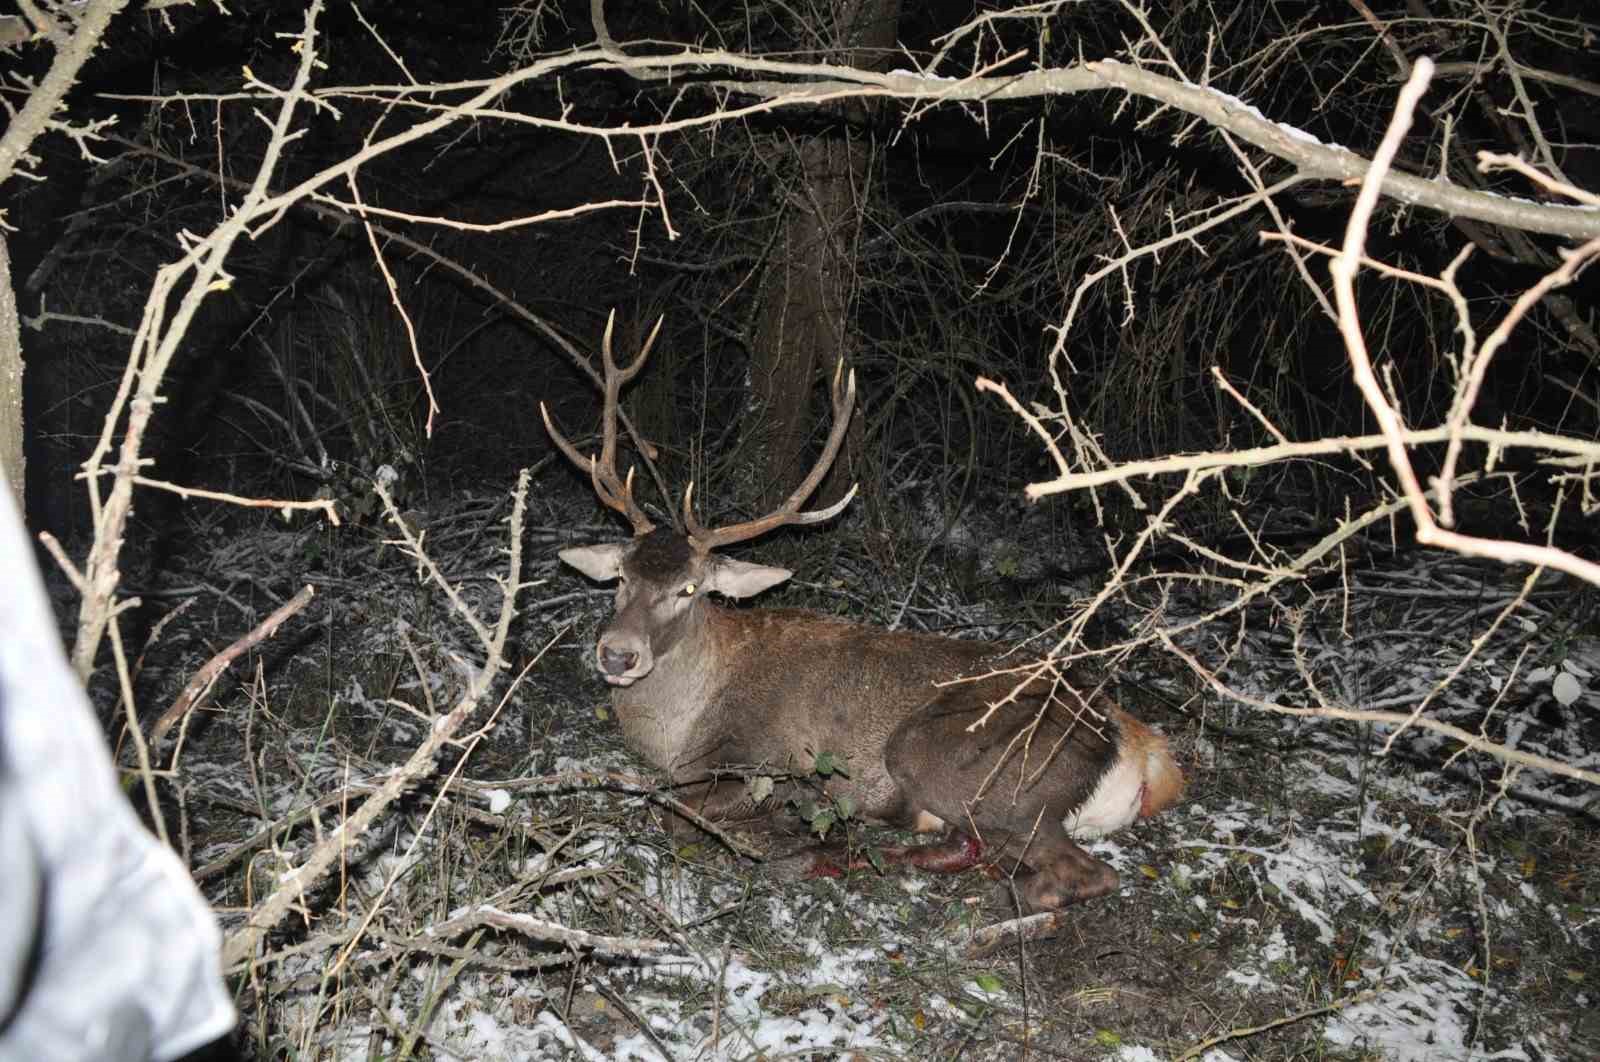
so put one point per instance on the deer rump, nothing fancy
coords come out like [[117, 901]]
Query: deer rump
[[1045, 771], [697, 687]]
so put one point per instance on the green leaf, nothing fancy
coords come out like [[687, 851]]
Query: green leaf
[[989, 983]]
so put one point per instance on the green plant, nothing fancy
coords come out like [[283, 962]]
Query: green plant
[[826, 810]]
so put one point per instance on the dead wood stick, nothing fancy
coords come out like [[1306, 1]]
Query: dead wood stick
[[207, 676], [989, 939], [1288, 1019]]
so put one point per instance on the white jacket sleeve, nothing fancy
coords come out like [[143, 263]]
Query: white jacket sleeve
[[108, 953]]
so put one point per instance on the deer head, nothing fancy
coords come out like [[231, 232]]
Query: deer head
[[663, 575]]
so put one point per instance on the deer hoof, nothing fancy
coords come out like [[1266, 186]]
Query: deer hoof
[[1066, 883]]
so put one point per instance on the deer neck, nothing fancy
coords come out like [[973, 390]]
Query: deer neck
[[664, 715]]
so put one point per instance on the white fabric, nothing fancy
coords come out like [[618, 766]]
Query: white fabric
[[108, 953]]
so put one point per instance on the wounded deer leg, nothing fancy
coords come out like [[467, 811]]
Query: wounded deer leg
[[1048, 878], [956, 853]]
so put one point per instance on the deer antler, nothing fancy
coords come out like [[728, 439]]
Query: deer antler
[[613, 491], [703, 540]]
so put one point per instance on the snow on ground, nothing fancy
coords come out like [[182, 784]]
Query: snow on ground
[[1305, 873]]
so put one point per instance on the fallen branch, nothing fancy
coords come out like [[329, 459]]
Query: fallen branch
[[294, 883], [207, 676], [1288, 1019], [990, 939]]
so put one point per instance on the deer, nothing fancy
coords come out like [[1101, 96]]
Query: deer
[[700, 690]]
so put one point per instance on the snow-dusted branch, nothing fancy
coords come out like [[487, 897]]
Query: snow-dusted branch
[[73, 49], [156, 343], [242, 943], [1069, 479], [25, 124], [1465, 738], [1252, 582], [778, 84], [207, 676], [786, 84], [1332, 162], [1344, 269]]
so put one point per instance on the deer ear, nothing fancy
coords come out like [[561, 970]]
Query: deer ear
[[601, 563], [736, 578]]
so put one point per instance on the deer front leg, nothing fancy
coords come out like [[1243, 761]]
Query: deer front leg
[[956, 853], [718, 802]]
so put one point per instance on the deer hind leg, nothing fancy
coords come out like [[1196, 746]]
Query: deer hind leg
[[1016, 783], [1046, 877], [1054, 873]]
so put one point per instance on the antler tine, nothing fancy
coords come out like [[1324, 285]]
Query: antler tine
[[691, 526], [611, 489], [704, 540], [618, 496]]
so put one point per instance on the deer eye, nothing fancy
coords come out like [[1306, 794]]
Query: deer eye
[[687, 591]]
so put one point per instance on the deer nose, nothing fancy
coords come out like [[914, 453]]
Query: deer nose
[[613, 662]]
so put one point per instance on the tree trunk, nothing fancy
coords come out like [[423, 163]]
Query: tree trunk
[[12, 467], [803, 320]]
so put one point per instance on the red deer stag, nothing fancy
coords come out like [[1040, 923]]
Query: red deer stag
[[698, 689]]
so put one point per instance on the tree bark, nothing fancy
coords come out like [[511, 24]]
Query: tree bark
[[803, 321], [27, 122], [12, 466]]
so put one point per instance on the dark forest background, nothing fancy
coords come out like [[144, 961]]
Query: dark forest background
[[926, 245]]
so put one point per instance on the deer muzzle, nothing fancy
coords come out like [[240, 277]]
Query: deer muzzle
[[622, 660]]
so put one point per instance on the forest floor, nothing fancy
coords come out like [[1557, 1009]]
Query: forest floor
[[1311, 897]]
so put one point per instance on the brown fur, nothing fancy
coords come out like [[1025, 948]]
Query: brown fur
[[708, 688], [699, 689]]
